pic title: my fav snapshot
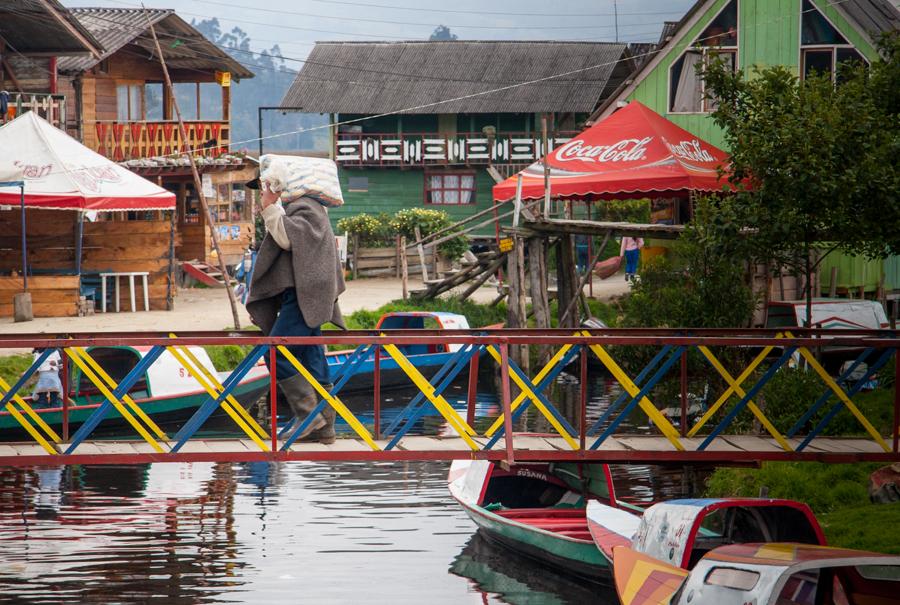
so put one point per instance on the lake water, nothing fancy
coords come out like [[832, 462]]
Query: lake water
[[270, 533]]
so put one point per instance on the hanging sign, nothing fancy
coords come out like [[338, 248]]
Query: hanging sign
[[506, 244]]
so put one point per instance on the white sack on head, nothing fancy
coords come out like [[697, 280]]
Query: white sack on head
[[296, 177]]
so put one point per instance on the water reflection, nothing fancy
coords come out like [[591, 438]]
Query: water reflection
[[278, 533]]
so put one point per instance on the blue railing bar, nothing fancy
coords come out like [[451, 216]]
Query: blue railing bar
[[623, 396], [542, 385], [123, 387], [788, 351], [657, 376], [827, 394], [352, 360], [24, 377], [439, 389], [211, 404], [840, 404], [346, 372], [550, 407], [438, 376]]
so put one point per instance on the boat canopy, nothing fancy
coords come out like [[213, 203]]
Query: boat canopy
[[680, 532]]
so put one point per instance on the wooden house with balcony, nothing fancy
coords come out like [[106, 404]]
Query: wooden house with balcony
[[458, 114], [34, 34], [119, 105]]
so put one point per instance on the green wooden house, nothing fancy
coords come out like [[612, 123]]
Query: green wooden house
[[423, 124], [804, 35]]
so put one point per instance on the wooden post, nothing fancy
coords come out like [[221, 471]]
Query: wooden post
[[514, 319], [523, 357], [421, 250], [170, 286], [198, 185], [571, 306], [566, 278], [404, 269], [397, 255], [356, 255], [540, 304]]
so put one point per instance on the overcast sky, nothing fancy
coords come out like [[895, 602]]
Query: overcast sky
[[296, 24]]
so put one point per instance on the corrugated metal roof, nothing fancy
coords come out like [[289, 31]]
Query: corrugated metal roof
[[183, 46], [44, 26], [377, 77], [873, 16]]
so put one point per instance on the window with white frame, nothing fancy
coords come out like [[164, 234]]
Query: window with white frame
[[719, 40], [450, 188], [822, 47]]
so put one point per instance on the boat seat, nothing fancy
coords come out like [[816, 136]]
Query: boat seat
[[522, 513], [577, 535]]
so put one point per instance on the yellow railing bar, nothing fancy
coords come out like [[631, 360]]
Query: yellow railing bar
[[523, 395], [31, 430], [724, 397], [537, 402], [335, 402], [443, 406], [733, 384], [214, 381], [670, 432], [113, 399], [215, 395], [811, 360], [125, 398], [31, 413]]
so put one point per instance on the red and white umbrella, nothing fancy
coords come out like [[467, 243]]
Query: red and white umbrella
[[633, 153], [60, 173]]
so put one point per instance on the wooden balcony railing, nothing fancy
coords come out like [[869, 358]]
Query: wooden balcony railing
[[419, 149], [121, 141], [50, 107]]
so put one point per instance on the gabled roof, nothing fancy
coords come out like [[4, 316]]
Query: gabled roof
[[183, 46], [378, 77], [871, 17], [34, 27]]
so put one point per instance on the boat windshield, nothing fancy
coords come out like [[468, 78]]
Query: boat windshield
[[117, 362]]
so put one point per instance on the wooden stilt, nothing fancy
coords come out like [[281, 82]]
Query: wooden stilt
[[404, 269]]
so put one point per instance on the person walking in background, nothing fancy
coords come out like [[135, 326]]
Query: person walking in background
[[582, 250], [631, 250], [48, 387]]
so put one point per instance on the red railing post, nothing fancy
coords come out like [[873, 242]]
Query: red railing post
[[377, 395], [582, 427], [896, 401], [65, 397], [273, 397], [473, 389], [684, 393], [505, 399]]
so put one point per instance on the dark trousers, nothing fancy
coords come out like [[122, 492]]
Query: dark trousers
[[290, 322], [631, 261]]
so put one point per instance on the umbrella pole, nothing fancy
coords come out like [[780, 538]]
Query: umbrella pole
[[79, 241], [24, 240]]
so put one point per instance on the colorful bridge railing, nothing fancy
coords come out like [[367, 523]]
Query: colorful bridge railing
[[675, 356]]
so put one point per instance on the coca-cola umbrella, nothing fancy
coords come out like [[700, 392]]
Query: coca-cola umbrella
[[635, 152]]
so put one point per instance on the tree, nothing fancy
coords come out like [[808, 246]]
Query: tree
[[815, 162], [442, 32]]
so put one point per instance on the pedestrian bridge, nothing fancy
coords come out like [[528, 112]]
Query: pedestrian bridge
[[656, 374]]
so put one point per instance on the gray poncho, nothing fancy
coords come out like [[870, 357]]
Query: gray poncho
[[311, 266]]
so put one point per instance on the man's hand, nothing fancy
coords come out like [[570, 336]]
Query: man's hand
[[268, 197]]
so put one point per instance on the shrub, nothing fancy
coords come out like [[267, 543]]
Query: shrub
[[628, 211], [373, 230], [429, 221]]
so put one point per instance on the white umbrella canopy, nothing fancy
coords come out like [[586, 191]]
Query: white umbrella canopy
[[62, 174]]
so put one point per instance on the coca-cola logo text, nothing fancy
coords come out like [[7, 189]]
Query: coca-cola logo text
[[690, 150], [626, 150]]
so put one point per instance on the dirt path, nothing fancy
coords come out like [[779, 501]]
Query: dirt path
[[208, 309]]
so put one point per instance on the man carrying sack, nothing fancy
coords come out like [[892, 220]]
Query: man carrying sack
[[297, 278]]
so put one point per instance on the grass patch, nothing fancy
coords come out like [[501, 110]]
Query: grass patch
[[478, 315], [13, 366], [869, 527], [226, 357]]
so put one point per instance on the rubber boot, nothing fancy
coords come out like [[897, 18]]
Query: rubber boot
[[326, 433], [302, 398]]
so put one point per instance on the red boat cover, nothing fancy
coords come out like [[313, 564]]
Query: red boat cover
[[633, 151]]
